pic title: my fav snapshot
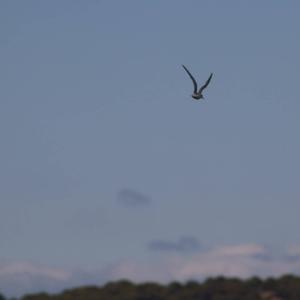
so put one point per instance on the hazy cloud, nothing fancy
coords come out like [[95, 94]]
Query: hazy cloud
[[293, 253], [240, 250], [294, 250], [18, 278], [243, 261], [131, 197], [245, 250], [25, 267], [184, 244]]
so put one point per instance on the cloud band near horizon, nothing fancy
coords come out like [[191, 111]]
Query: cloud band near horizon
[[244, 260]]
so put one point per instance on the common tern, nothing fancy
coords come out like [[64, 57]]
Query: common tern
[[198, 94]]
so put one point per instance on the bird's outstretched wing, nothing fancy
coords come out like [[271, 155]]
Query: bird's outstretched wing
[[193, 79], [206, 83]]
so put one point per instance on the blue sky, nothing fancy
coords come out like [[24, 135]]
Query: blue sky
[[106, 160]]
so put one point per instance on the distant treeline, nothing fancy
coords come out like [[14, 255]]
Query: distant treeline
[[220, 288]]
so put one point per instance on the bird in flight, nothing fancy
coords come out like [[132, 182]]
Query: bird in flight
[[198, 94]]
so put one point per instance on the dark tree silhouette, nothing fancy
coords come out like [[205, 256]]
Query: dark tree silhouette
[[219, 288]]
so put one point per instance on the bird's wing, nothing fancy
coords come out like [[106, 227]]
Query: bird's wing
[[206, 83], [193, 79]]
